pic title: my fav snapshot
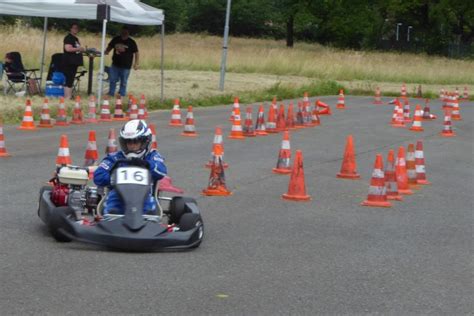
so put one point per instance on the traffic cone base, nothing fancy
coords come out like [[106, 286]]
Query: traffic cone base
[[216, 192], [405, 191], [349, 176], [395, 197], [188, 134], [224, 164], [5, 154], [298, 198], [423, 182], [297, 186], [452, 134], [281, 171], [45, 125], [376, 203], [26, 128]]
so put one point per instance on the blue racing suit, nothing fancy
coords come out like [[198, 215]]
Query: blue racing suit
[[102, 178]]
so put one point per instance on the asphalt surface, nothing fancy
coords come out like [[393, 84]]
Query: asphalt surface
[[261, 254]]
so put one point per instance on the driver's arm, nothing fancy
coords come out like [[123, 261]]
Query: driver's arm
[[102, 173], [157, 166]]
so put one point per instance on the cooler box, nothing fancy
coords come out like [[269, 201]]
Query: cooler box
[[54, 90]]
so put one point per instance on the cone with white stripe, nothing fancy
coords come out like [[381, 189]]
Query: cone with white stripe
[[290, 117], [119, 114], [189, 128], [420, 164], [401, 172], [417, 125], [297, 186], [441, 94], [300, 116], [45, 121], [391, 178], [307, 114], [105, 115], [3, 149], [377, 196], [455, 113], [260, 128], [283, 165], [378, 96], [61, 118], [154, 142], [217, 182], [249, 130], [27, 123], [91, 155], [447, 126], [271, 122], [176, 115], [236, 131], [64, 157], [217, 146], [141, 111], [133, 110], [315, 121], [403, 91], [234, 106], [77, 116], [411, 167], [111, 143], [465, 94], [427, 116], [399, 121], [406, 112], [91, 115], [341, 104], [143, 105]]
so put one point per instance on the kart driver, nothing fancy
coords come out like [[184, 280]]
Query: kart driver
[[135, 142]]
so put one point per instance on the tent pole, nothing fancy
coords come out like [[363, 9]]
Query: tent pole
[[162, 60], [43, 53], [102, 56], [224, 47]]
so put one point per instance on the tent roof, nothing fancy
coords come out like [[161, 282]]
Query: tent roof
[[122, 11]]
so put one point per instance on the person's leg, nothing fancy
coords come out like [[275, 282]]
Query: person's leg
[[123, 81], [113, 78], [69, 72]]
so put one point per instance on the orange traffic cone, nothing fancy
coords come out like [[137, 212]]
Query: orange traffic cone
[[401, 172], [45, 120], [395, 112], [399, 121], [249, 131], [341, 100], [143, 106], [297, 186], [465, 94], [133, 110], [377, 196], [217, 146], [154, 143], [420, 164], [141, 111], [290, 117], [447, 128], [217, 182], [275, 107], [63, 158], [61, 119], [391, 178], [260, 128], [236, 132], [306, 102], [27, 123], [325, 109], [105, 115], [175, 115], [271, 122], [300, 117], [441, 94], [3, 149], [91, 155], [448, 101], [166, 185], [378, 96], [455, 114], [403, 91], [427, 116], [307, 115], [92, 116], [281, 122], [119, 115], [349, 163], [77, 116], [234, 106], [189, 128], [406, 112], [417, 126], [456, 93], [411, 167], [111, 143], [283, 165]]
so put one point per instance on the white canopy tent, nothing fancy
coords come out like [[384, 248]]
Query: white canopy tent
[[121, 11]]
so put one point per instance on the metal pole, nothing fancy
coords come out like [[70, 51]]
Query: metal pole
[[102, 56], [408, 33], [224, 47], [398, 27], [162, 60], [43, 53]]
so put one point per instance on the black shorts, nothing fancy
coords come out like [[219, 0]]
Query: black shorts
[[69, 72]]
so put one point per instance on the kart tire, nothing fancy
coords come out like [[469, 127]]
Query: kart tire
[[178, 208], [189, 221], [53, 225], [43, 188]]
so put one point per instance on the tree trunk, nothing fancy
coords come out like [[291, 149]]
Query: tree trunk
[[289, 31]]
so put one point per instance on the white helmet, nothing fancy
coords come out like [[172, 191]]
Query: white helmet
[[135, 131]]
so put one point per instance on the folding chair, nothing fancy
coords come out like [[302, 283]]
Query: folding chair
[[18, 76]]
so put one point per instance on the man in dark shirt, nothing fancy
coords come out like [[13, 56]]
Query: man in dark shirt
[[125, 54], [72, 58]]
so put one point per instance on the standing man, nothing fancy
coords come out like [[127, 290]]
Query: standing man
[[125, 54], [72, 58]]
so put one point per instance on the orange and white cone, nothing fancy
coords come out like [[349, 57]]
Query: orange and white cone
[[249, 130], [377, 196], [234, 106], [391, 178], [420, 164], [189, 127], [3, 149], [142, 105], [111, 143], [455, 113], [141, 111], [441, 94], [465, 94], [236, 131], [61, 118], [349, 163], [260, 128], [395, 112], [217, 182], [341, 104], [105, 115], [45, 120], [406, 112], [290, 117], [64, 157], [456, 93], [447, 126], [91, 156], [417, 121], [297, 186], [448, 101], [315, 121], [91, 115], [77, 116], [403, 91], [378, 96], [323, 108], [411, 167], [305, 99], [281, 121], [119, 114], [401, 172], [175, 115], [27, 123], [129, 105], [399, 121], [427, 116], [217, 146], [283, 165], [154, 142], [133, 110], [271, 122], [307, 114]]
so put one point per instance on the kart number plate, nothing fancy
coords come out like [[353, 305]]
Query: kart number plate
[[132, 175]]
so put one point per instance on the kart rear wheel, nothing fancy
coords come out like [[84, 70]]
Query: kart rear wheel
[[178, 208], [53, 225], [189, 221]]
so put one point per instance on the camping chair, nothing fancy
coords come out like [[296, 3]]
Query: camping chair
[[55, 66], [17, 76]]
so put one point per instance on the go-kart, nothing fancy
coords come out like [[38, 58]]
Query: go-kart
[[72, 210]]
